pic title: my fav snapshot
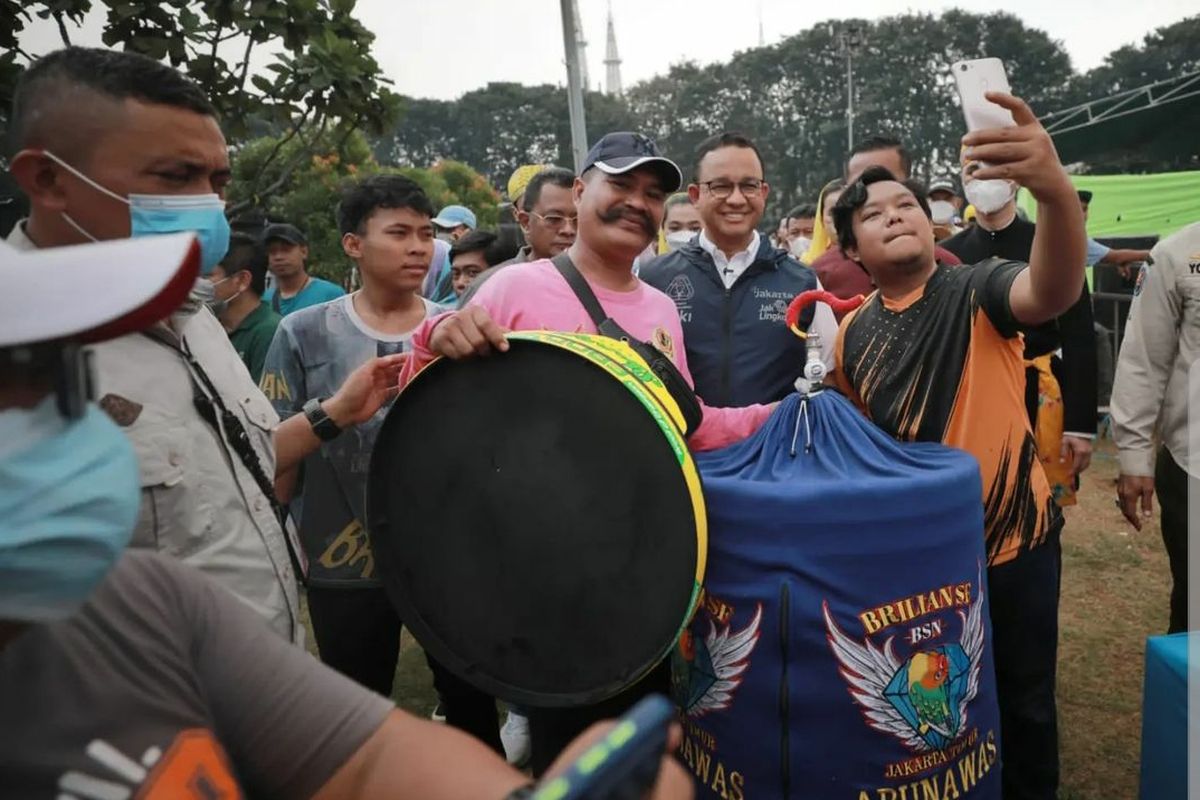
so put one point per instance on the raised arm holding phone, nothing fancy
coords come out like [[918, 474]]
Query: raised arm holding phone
[[935, 355]]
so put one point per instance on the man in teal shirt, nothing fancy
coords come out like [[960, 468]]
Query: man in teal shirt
[[237, 301], [294, 288]]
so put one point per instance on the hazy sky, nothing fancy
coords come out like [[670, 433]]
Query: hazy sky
[[442, 50]]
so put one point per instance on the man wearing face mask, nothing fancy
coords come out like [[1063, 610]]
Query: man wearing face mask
[[944, 205], [126, 673], [801, 224], [238, 283], [732, 288], [842, 275], [112, 145], [1060, 390]]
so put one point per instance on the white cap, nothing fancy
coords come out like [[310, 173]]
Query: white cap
[[93, 292]]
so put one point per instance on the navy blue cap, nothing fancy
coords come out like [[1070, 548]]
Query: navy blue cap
[[284, 232], [620, 152]]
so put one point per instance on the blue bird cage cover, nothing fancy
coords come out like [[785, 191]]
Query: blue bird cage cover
[[842, 646]]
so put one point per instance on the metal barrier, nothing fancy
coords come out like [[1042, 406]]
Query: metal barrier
[[1112, 295]]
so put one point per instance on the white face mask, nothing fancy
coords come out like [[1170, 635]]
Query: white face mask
[[989, 196], [217, 306], [942, 211], [799, 246], [677, 239]]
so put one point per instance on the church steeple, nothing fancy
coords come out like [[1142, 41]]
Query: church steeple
[[612, 61]]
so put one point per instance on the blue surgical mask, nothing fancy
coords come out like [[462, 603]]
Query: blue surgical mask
[[69, 496], [154, 214]]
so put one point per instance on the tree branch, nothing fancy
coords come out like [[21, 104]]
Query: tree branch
[[62, 28], [245, 63], [285, 139], [216, 40], [285, 175], [350, 129], [211, 84]]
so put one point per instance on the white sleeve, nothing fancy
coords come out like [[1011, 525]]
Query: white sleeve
[[825, 325]]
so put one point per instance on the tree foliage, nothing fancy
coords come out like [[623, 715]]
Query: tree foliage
[[308, 196], [321, 78], [497, 128], [791, 98]]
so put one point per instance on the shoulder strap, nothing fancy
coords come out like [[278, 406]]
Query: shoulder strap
[[275, 301], [211, 408], [659, 363], [583, 292]]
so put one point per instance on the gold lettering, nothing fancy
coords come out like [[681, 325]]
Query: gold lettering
[[718, 784], [988, 753], [950, 785], [703, 764], [349, 548], [862, 795], [930, 789], [870, 622], [909, 608], [886, 794], [736, 785], [275, 387], [968, 773]]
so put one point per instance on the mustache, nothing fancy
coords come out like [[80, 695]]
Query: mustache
[[616, 213]]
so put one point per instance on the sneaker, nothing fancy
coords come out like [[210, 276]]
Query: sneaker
[[514, 735], [439, 713]]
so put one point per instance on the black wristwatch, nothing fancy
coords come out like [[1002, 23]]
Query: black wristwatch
[[325, 428]]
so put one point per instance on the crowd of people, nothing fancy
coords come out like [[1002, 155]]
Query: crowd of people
[[252, 412]]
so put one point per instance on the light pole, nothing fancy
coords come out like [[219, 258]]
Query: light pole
[[851, 40], [575, 86]]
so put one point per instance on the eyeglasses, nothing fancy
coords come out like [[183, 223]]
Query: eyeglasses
[[556, 220], [722, 189]]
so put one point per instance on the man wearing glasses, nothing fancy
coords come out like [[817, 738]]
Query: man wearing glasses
[[548, 219], [732, 287]]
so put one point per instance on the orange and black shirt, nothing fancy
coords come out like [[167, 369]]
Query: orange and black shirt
[[945, 365]]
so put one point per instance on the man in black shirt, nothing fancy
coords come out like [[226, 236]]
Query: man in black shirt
[[1067, 383]]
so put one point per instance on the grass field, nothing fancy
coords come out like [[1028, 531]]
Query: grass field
[[1115, 588]]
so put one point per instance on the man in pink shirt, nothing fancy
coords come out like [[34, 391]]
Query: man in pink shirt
[[620, 197]]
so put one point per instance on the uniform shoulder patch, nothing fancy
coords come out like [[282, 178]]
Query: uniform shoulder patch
[[122, 411], [663, 342]]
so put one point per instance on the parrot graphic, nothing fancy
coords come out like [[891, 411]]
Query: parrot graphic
[[923, 700], [927, 674]]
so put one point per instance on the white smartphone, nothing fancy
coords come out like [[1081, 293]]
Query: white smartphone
[[974, 78]]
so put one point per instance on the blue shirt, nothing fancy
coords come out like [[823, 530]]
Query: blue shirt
[[1095, 252], [315, 292]]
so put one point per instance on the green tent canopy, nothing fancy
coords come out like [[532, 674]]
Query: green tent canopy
[[1136, 205]]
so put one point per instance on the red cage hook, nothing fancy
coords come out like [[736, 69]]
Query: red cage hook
[[805, 299]]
